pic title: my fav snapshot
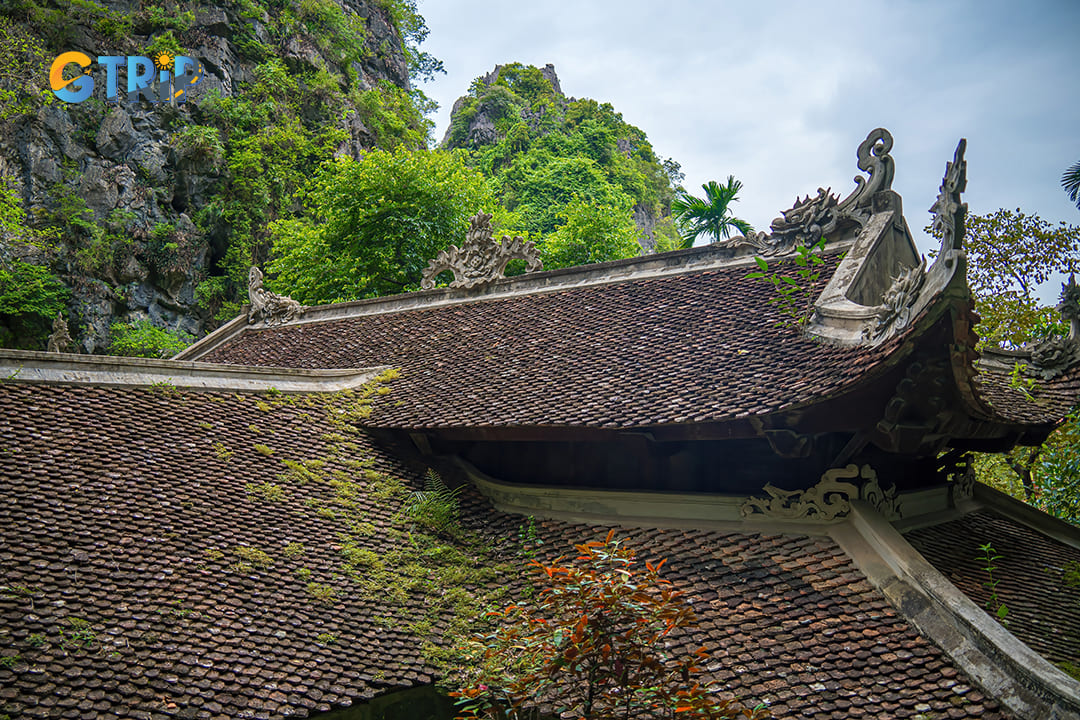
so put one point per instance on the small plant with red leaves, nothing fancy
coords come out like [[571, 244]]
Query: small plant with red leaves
[[596, 645]]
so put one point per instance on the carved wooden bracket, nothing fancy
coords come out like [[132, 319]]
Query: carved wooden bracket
[[829, 500], [918, 411], [480, 260]]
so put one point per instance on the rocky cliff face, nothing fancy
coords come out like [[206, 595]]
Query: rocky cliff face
[[123, 183]]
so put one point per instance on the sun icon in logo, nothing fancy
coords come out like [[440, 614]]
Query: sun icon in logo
[[163, 61]]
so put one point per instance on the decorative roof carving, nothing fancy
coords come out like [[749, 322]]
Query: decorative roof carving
[[60, 340], [814, 217], [267, 307], [962, 480], [874, 159], [481, 259], [949, 213], [894, 313], [828, 500], [1058, 353], [884, 501], [919, 410], [807, 221], [1069, 306]]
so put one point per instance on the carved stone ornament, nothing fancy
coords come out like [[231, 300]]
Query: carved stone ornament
[[60, 340], [267, 307], [806, 222], [963, 480], [1059, 353], [481, 259], [916, 415], [894, 313], [884, 501], [875, 160], [828, 500], [814, 217], [949, 213]]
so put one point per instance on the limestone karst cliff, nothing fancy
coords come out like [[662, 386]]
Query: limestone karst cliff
[[151, 211], [543, 147]]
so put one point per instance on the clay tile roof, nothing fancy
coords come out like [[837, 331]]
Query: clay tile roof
[[695, 347], [161, 559], [1049, 401], [1033, 574]]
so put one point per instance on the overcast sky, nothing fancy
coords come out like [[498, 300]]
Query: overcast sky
[[780, 94]]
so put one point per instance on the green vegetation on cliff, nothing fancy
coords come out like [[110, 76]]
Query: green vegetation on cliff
[[156, 211], [547, 155], [570, 175]]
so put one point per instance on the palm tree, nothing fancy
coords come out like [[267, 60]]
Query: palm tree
[[1071, 182], [711, 215]]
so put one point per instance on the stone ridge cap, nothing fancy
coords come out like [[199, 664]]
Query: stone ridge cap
[[106, 370], [670, 264], [1020, 679], [606, 273]]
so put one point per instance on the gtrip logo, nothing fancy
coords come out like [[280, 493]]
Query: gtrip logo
[[166, 78]]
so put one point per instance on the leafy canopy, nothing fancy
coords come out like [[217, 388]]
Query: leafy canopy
[[375, 223], [30, 294], [141, 338], [711, 215], [595, 645], [592, 231], [542, 149], [1010, 255]]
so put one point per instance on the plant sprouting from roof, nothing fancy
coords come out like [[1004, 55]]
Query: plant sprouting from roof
[[436, 506], [794, 293]]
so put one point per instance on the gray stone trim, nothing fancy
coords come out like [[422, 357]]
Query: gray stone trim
[[102, 370], [1008, 670], [669, 264], [664, 509], [843, 310], [639, 509]]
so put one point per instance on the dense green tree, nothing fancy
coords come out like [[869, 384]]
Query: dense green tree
[[592, 231], [141, 338], [1010, 254], [30, 294], [373, 224], [711, 215]]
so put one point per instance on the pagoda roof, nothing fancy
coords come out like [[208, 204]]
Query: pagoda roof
[[688, 347], [229, 534], [161, 561]]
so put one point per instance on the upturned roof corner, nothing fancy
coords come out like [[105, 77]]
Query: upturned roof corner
[[824, 214], [883, 284]]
